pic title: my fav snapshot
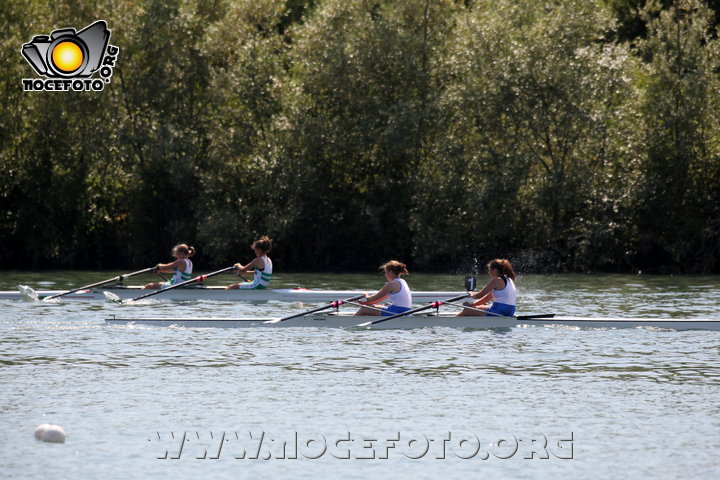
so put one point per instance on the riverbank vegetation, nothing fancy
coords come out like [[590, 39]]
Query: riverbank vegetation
[[576, 135]]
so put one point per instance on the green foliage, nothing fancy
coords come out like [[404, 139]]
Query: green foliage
[[678, 191], [440, 132], [633, 19]]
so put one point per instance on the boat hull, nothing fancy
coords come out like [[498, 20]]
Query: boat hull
[[219, 294], [423, 321]]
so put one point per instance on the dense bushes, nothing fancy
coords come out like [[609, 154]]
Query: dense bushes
[[581, 135]]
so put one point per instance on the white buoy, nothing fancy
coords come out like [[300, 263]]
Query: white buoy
[[50, 433], [40, 430]]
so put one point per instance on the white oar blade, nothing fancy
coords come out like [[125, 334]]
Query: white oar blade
[[274, 320], [362, 325], [111, 297], [28, 293]]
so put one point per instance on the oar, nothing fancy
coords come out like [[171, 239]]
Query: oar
[[532, 317], [414, 310], [241, 277], [160, 274], [470, 282], [334, 304], [182, 284], [119, 278], [371, 307]]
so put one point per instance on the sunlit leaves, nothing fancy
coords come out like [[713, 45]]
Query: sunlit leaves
[[438, 131]]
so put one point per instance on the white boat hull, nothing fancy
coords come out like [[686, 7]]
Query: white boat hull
[[219, 294], [422, 321]]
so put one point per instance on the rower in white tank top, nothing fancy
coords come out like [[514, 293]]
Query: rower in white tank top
[[181, 273], [506, 295], [403, 297], [262, 276], [396, 290], [500, 290], [181, 268], [261, 267]]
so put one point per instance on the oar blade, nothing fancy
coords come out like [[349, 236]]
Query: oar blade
[[111, 297], [274, 320], [119, 278], [28, 293]]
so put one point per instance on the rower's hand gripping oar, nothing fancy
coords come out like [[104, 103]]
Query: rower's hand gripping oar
[[334, 304], [469, 286], [119, 278], [237, 272], [199, 278]]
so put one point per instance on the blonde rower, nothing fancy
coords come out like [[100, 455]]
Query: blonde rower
[[181, 268], [500, 289], [396, 289]]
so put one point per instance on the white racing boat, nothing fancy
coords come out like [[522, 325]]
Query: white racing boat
[[203, 293], [424, 320]]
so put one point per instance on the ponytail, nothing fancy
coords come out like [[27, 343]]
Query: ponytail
[[263, 243], [181, 247], [398, 268], [503, 266]]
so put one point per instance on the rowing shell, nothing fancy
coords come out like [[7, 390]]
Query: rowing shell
[[422, 321], [219, 294]]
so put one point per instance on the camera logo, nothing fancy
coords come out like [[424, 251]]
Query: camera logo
[[68, 59]]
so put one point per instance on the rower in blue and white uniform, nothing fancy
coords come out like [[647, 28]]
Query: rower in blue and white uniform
[[500, 289], [181, 268], [396, 290], [261, 266]]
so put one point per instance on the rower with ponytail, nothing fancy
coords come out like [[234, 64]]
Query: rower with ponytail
[[181, 268], [500, 289]]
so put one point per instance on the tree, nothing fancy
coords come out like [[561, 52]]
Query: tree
[[535, 100], [357, 111], [677, 210]]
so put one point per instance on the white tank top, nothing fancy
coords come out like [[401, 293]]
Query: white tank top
[[403, 298], [505, 295], [262, 277], [182, 276]]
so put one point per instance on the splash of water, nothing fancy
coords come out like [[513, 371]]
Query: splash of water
[[28, 293], [111, 297]]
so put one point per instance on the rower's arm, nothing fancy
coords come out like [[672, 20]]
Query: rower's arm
[[486, 291], [379, 296], [168, 267], [250, 266], [483, 300]]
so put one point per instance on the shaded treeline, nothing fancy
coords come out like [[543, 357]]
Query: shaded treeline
[[576, 134]]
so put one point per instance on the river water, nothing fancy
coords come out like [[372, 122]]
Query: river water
[[536, 402]]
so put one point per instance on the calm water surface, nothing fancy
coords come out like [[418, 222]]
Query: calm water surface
[[637, 403]]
